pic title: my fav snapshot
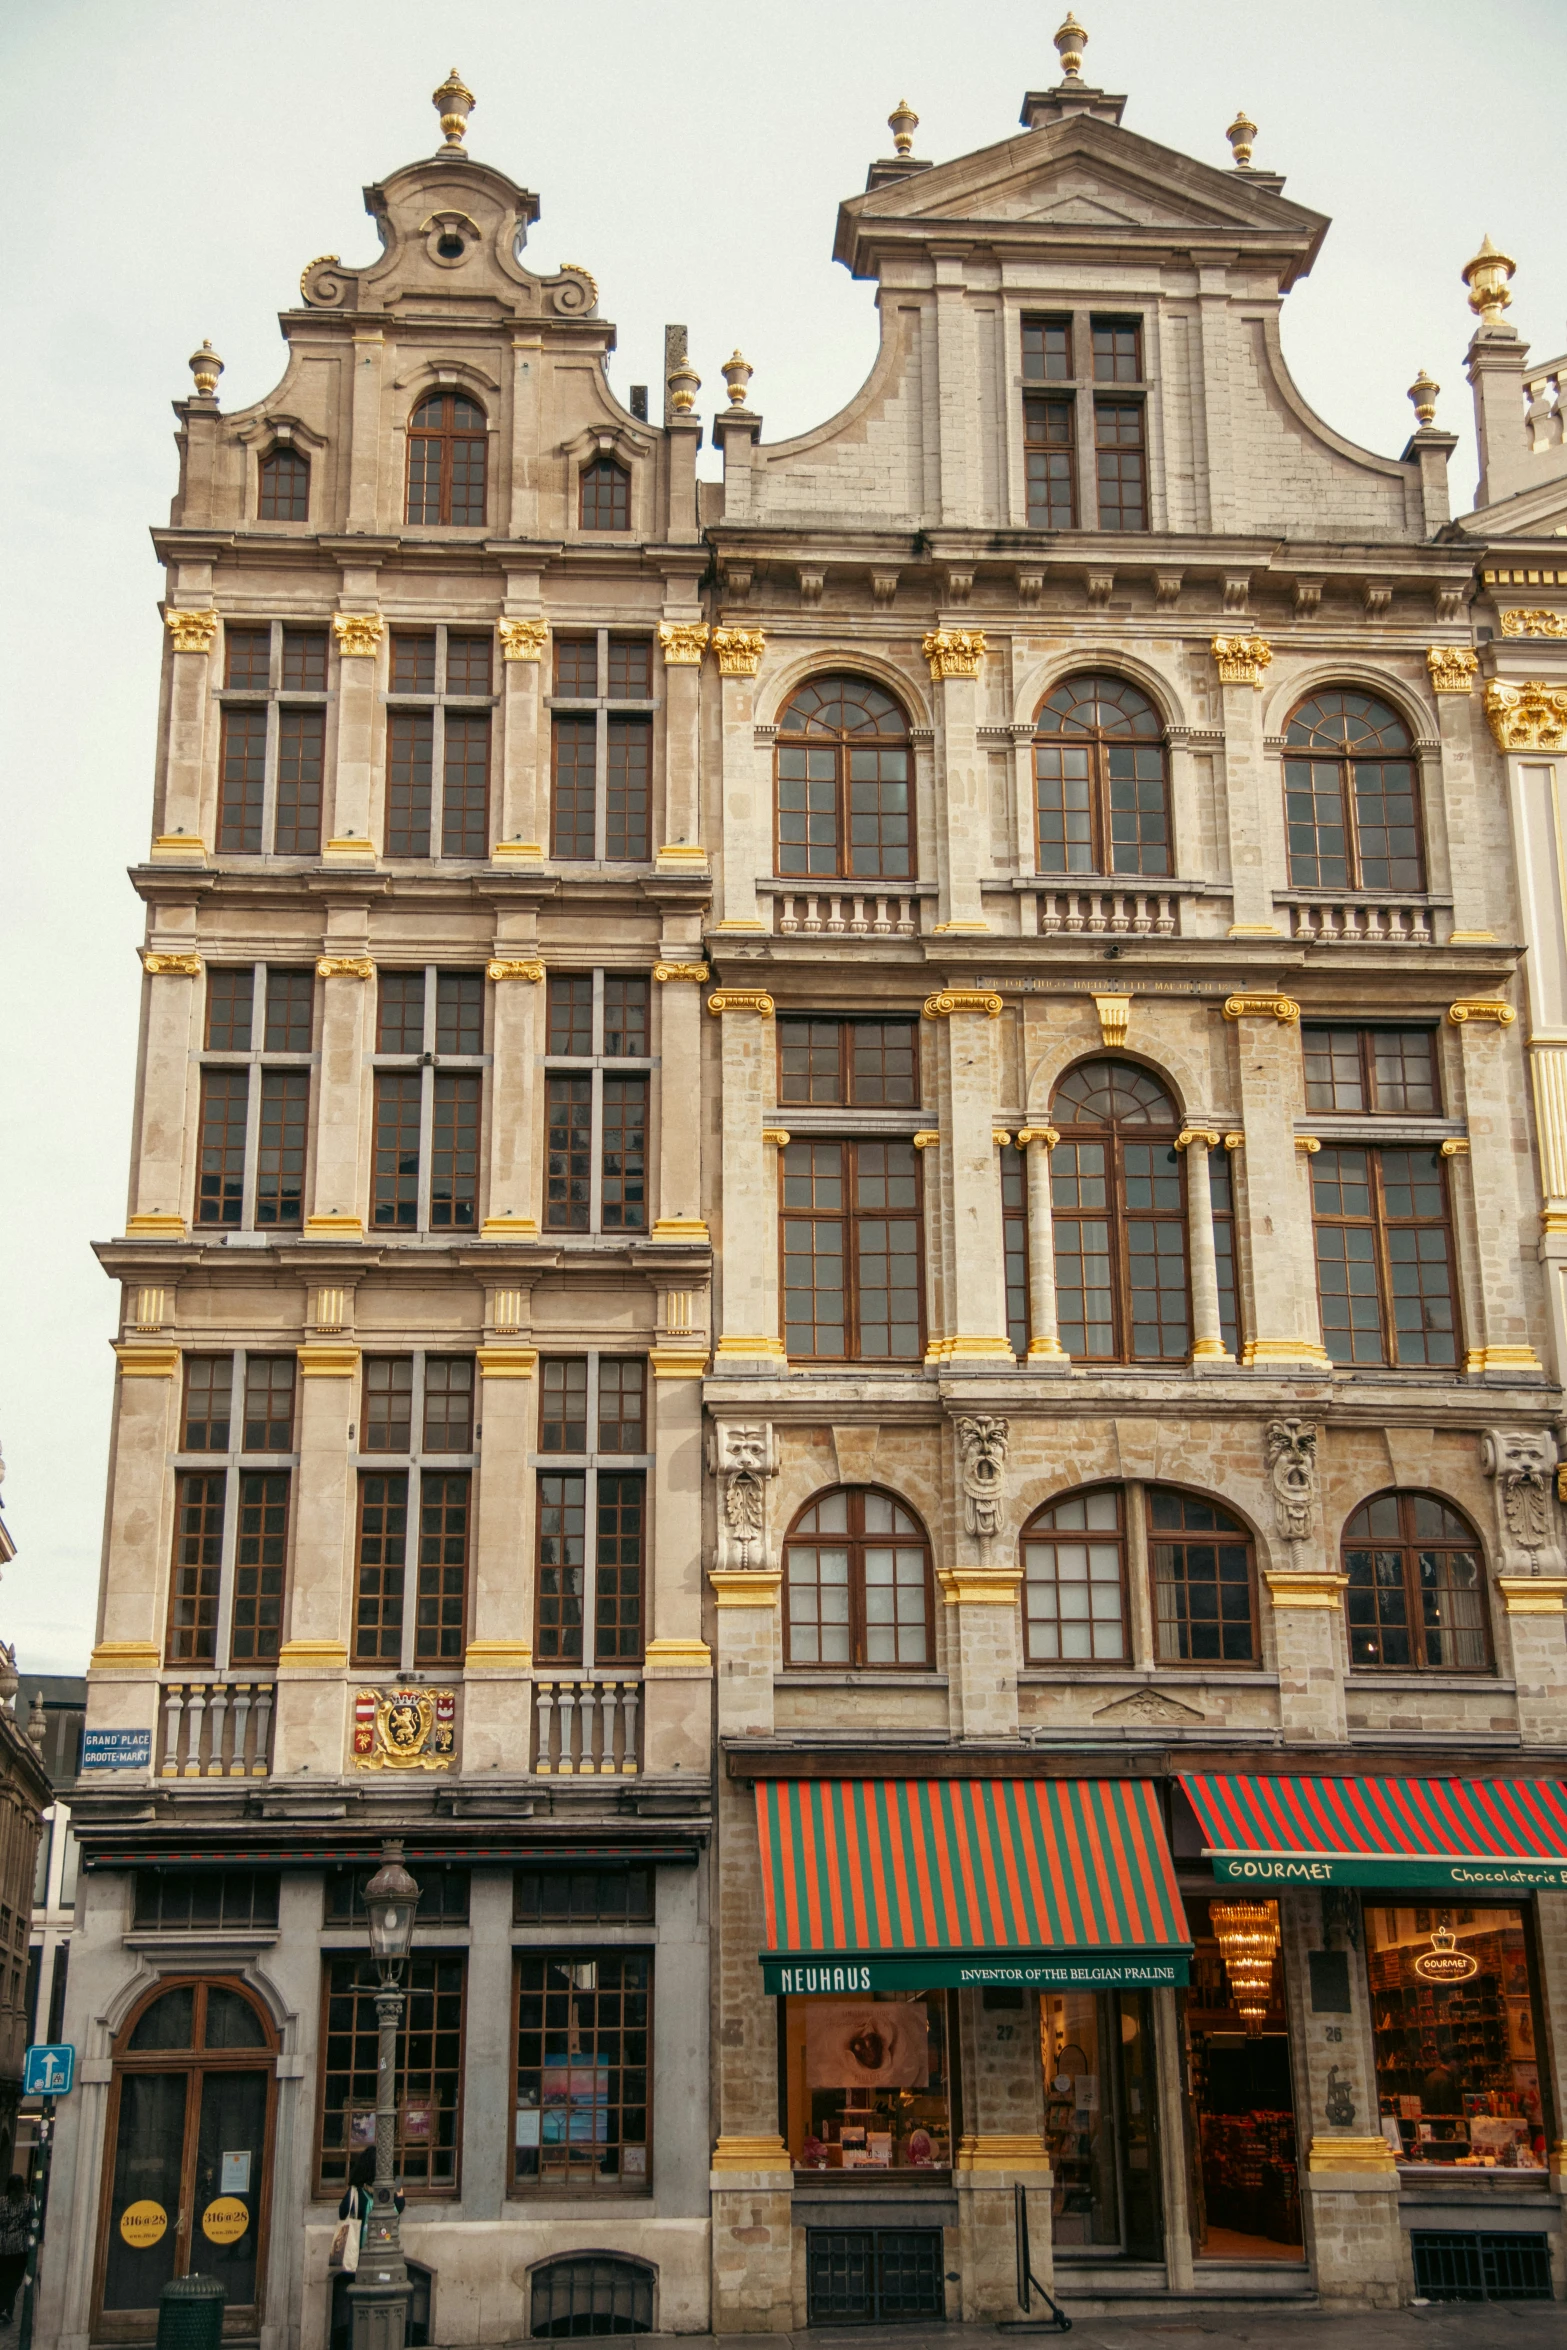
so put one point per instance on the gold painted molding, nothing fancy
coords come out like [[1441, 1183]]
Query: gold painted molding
[[498, 1656], [1309, 1143], [523, 640], [979, 1586], [751, 2154], [750, 1350], [509, 1228], [147, 1362], [171, 966], [124, 1656], [1317, 1587], [526, 851], [1235, 1142], [740, 999], [1534, 622], [1352, 2154], [1048, 1135], [327, 1362], [312, 1656], [928, 1139], [1241, 660], [1529, 717], [682, 643], [961, 999], [1454, 1148], [334, 1228], [192, 632], [954, 652], [179, 848], [691, 1230], [1001, 2150], [969, 1347], [1282, 1350], [1249, 1006], [1533, 1595], [508, 1362], [1502, 1358], [678, 1362], [739, 651], [514, 967], [1050, 1347], [681, 856], [664, 972], [1204, 1134], [1481, 1008], [358, 634], [777, 1135], [1453, 668], [1001, 1138], [352, 848], [745, 1586], [677, 1656], [155, 1226], [1115, 1018], [344, 967]]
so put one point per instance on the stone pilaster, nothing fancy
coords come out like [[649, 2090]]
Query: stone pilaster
[[523, 813], [683, 642], [122, 1684], [1241, 661], [171, 1035], [311, 1731], [361, 680], [678, 1672], [679, 1200], [1503, 1228], [185, 814], [516, 1185], [1045, 1351], [748, 1323], [498, 1663], [969, 1223], [747, 779], [1287, 1324], [364, 480], [962, 787], [1207, 1330], [1348, 2179], [347, 1027], [751, 2178]]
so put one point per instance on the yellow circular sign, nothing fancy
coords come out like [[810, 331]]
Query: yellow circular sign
[[142, 2224], [225, 2221]]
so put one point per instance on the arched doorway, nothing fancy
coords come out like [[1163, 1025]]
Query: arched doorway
[[188, 2157]]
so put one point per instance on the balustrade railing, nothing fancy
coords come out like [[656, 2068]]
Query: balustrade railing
[[584, 1727], [845, 913], [1543, 413], [1358, 922], [216, 1730], [1066, 909]]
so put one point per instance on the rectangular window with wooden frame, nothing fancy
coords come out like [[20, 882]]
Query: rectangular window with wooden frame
[[427, 1101], [438, 743], [592, 1511], [852, 1252], [1384, 1257], [416, 1469], [601, 754], [1047, 350], [1221, 1193], [253, 1116], [582, 2121], [597, 1101], [234, 1461], [428, 2127], [1050, 462], [1014, 1244], [1121, 464], [272, 737], [869, 1064]]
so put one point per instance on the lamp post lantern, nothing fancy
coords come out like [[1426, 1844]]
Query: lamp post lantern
[[378, 2297]]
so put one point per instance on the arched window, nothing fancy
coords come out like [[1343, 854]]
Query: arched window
[[446, 457], [1416, 1593], [284, 492], [1204, 1588], [845, 808], [857, 1571], [1118, 1210], [1074, 1581], [604, 496], [591, 2293], [1101, 792], [190, 2128], [1350, 802]]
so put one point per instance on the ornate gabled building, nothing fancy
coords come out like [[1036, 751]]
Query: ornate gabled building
[[833, 1279]]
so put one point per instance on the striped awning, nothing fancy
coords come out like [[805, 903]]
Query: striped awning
[[913, 1884], [1429, 1835]]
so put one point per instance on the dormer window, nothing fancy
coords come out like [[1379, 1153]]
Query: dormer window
[[446, 461], [283, 490], [604, 496]]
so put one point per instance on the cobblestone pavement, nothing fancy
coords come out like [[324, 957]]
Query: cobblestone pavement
[[1447, 2326]]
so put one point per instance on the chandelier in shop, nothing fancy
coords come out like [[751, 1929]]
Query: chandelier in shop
[[1248, 1936]]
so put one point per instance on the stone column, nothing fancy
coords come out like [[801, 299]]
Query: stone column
[[748, 1242], [971, 1220], [962, 795], [311, 1731], [679, 1201], [347, 1011], [1241, 661], [746, 782], [360, 683], [1207, 1330], [171, 1036], [498, 1663], [515, 1185], [1504, 1226], [522, 817], [184, 821], [1045, 1351], [683, 643], [1284, 1279], [1002, 2147]]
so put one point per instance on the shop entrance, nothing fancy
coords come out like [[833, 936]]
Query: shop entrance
[[1101, 2108], [1245, 2185]]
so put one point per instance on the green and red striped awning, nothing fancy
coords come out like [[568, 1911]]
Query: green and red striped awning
[[1429, 1835], [912, 1884]]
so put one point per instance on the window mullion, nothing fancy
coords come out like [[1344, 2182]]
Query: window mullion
[[590, 1549], [851, 1253], [231, 1508], [411, 1541], [437, 765], [1351, 833], [596, 1150], [247, 1206], [1384, 1262]]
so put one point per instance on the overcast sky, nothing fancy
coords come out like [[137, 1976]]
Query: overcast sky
[[172, 168]]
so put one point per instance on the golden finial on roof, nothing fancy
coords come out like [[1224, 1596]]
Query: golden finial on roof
[[684, 384], [1422, 395], [1242, 136], [206, 367], [453, 102], [737, 372], [903, 122], [1486, 277], [1070, 43]]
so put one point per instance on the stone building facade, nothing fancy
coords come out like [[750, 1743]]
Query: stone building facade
[[873, 1118]]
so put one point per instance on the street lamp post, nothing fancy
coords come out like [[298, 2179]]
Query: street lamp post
[[379, 2295]]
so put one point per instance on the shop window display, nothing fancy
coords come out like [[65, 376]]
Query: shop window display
[[1245, 2184], [869, 2082], [1458, 2074]]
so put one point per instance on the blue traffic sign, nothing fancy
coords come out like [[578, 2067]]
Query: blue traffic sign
[[117, 1750], [49, 2070]]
